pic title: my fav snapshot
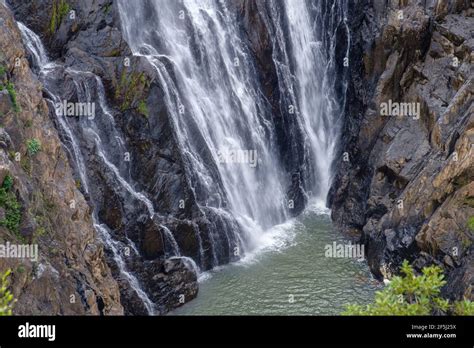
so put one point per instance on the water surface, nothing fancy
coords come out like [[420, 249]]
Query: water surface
[[290, 275]]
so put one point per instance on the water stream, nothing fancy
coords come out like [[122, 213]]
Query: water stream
[[47, 72]]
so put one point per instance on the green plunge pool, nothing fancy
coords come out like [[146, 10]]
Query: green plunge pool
[[289, 275]]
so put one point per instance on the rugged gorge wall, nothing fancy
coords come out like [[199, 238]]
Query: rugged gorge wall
[[406, 189], [152, 208], [404, 185], [40, 203]]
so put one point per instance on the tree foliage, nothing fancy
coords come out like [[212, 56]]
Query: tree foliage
[[6, 297], [410, 294]]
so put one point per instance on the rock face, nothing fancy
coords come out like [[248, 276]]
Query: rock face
[[407, 189], [40, 203]]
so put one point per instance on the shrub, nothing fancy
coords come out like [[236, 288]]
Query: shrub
[[9, 202], [6, 297], [413, 295], [464, 307], [107, 8], [34, 146], [7, 182], [11, 91]]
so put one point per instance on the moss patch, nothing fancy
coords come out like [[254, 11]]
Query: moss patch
[[470, 223], [131, 91]]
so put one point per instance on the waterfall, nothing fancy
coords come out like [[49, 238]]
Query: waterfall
[[214, 103], [242, 153], [217, 105], [304, 40], [69, 130]]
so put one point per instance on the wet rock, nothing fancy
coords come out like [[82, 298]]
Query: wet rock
[[297, 197], [5, 140], [176, 279]]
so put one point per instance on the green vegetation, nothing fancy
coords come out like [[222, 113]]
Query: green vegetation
[[60, 9], [107, 8], [34, 146], [7, 182], [131, 91], [413, 295], [12, 93], [142, 108], [6, 297], [12, 207], [25, 164], [464, 307], [115, 52], [44, 210], [5, 84], [11, 155], [470, 223]]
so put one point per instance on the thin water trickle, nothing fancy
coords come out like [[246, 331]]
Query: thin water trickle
[[47, 71]]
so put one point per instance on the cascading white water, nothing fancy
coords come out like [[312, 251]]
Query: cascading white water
[[212, 92], [304, 56], [222, 121], [215, 90], [46, 69]]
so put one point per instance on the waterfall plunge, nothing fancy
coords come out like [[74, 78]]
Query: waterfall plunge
[[217, 107], [212, 93]]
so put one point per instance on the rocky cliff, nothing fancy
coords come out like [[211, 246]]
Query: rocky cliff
[[404, 182]]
